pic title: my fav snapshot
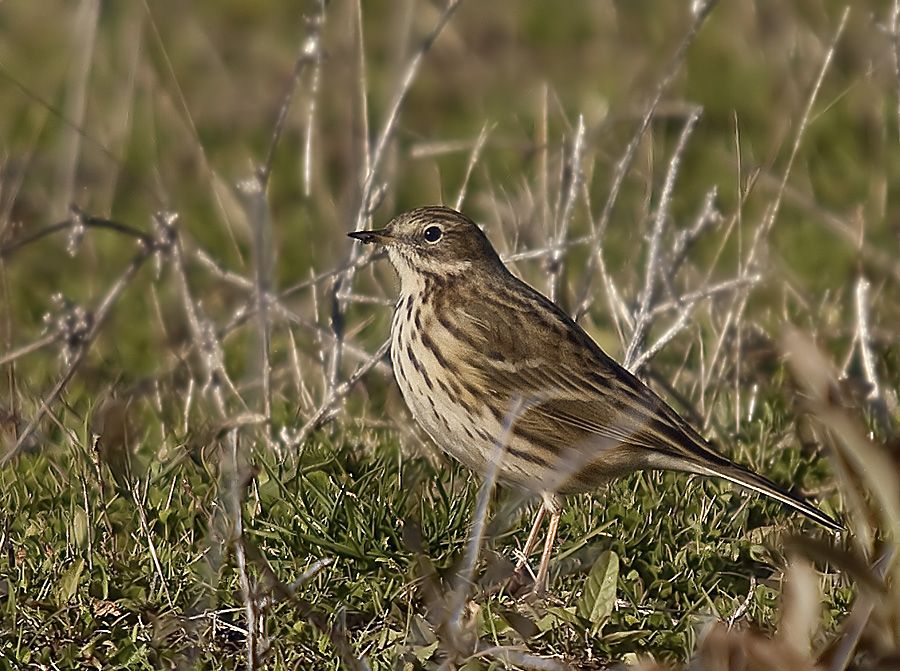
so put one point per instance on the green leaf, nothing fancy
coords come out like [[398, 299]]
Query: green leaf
[[599, 594], [557, 616], [80, 527], [68, 582], [524, 626], [424, 653]]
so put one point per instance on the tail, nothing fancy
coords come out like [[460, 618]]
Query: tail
[[746, 478]]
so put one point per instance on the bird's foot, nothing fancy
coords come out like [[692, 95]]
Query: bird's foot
[[516, 583], [522, 585]]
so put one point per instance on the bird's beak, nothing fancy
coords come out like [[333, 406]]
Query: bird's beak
[[380, 236]]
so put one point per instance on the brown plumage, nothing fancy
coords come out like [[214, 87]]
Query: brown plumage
[[495, 372]]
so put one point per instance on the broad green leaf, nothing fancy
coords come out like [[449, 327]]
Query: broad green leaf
[[68, 582], [599, 594], [80, 527], [523, 625], [424, 653], [558, 616]]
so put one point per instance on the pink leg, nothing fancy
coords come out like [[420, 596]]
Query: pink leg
[[531, 542], [555, 506]]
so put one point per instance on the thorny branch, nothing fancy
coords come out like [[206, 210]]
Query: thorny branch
[[864, 341], [740, 298], [652, 268], [266, 307], [78, 329], [575, 175], [701, 11], [373, 166]]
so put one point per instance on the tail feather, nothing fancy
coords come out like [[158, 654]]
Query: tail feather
[[747, 478]]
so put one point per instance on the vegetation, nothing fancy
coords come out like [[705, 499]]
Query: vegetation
[[204, 462]]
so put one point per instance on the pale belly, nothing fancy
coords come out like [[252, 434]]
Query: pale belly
[[447, 422], [465, 430]]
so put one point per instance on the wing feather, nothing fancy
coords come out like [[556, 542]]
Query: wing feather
[[596, 418]]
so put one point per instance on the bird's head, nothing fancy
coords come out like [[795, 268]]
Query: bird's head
[[436, 241]]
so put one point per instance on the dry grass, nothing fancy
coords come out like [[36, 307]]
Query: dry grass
[[202, 456]]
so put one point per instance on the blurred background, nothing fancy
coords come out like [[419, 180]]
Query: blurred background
[[204, 382]]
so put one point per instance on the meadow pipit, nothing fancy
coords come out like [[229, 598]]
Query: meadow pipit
[[499, 375]]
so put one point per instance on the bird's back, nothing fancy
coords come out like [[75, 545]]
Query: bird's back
[[503, 365]]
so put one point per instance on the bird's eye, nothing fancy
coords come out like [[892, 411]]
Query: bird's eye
[[433, 233]]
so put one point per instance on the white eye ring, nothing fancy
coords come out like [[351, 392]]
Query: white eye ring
[[432, 234]]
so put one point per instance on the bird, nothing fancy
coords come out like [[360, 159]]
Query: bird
[[506, 382]]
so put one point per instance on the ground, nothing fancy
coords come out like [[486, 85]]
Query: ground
[[204, 462]]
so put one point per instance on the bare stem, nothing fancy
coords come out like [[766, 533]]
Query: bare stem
[[653, 268], [80, 348], [700, 10]]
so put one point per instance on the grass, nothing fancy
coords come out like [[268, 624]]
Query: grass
[[189, 481], [80, 563]]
